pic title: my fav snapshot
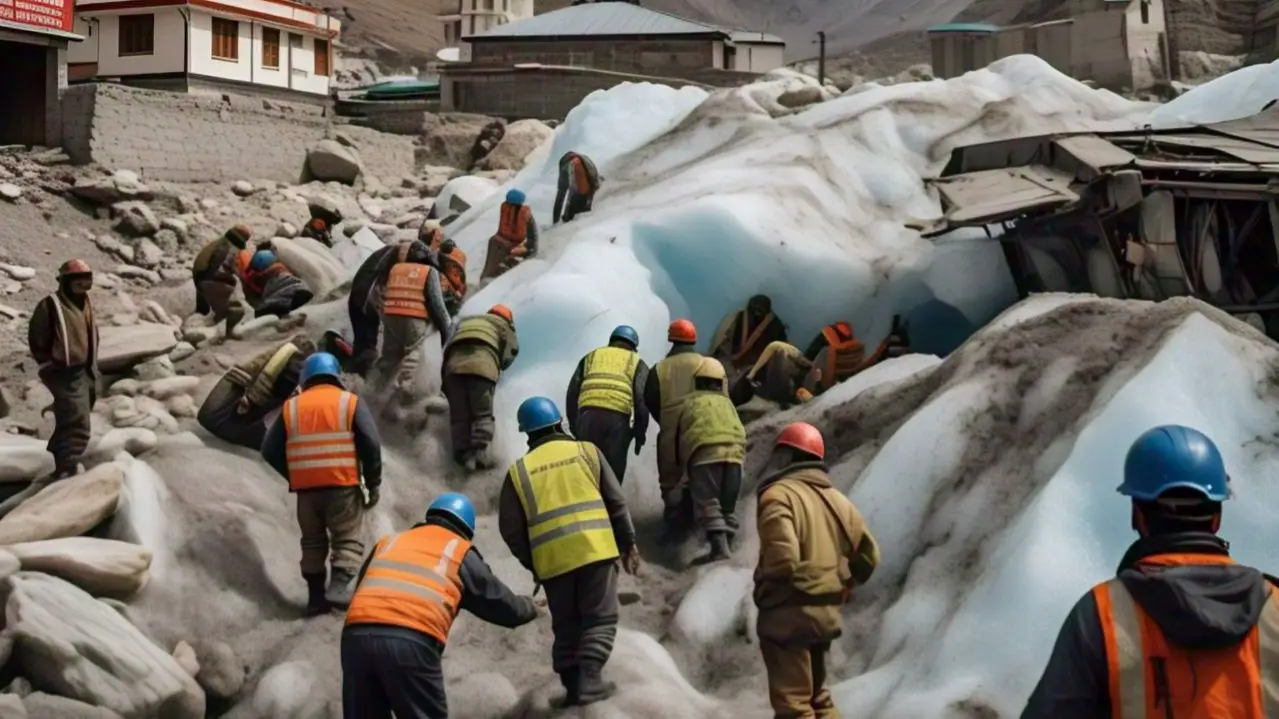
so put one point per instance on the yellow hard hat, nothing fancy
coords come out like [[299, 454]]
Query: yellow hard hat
[[710, 368]]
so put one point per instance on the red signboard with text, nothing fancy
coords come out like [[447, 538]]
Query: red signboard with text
[[39, 15]]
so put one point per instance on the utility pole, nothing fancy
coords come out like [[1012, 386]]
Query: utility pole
[[821, 57]]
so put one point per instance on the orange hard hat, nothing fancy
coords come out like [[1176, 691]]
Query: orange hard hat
[[682, 330], [71, 268], [502, 311], [843, 328], [804, 437]]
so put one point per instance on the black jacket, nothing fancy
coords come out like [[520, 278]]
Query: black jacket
[[1198, 607], [639, 424], [368, 446], [653, 386]]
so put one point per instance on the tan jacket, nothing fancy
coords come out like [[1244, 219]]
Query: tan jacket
[[62, 335], [265, 386], [814, 548], [478, 358]]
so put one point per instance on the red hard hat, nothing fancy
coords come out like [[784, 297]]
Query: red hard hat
[[804, 437], [502, 311], [682, 331], [71, 268]]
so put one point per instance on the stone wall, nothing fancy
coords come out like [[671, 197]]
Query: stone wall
[[200, 138]]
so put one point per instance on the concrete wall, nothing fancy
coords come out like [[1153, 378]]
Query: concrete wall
[[1098, 50], [1146, 29], [191, 138], [642, 56], [758, 58], [1052, 42]]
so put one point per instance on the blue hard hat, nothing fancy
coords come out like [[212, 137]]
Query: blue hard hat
[[262, 259], [455, 505], [625, 332], [538, 413], [320, 364], [514, 196], [1174, 457]]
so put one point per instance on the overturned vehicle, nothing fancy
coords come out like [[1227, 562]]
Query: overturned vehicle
[[1146, 214]]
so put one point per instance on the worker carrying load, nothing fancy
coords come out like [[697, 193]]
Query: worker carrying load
[[62, 336], [236, 409], [324, 217], [1182, 630], [214, 275], [814, 550], [578, 183], [409, 592], [482, 348], [451, 262], [668, 383], [711, 445], [562, 515], [368, 294], [605, 392], [742, 336], [516, 237], [414, 303], [777, 376], [326, 444], [837, 355], [269, 286]]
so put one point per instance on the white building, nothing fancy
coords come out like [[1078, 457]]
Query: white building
[[475, 16], [273, 46]]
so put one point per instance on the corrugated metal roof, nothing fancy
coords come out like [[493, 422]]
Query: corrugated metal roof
[[755, 37], [964, 27], [599, 19]]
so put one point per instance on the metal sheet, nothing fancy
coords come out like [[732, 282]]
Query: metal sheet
[[986, 196], [1242, 149], [1095, 152]]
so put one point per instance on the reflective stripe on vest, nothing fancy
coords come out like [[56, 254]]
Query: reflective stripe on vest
[[513, 223], [709, 418], [413, 582], [843, 357], [1237, 682], [406, 290], [454, 266], [568, 525], [320, 426], [608, 376], [747, 341]]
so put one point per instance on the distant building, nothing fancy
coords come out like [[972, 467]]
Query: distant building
[[33, 46], [469, 17], [276, 47]]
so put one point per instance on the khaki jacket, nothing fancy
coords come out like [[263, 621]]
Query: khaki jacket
[[814, 548], [464, 355]]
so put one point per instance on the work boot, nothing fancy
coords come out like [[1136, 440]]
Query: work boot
[[594, 688], [316, 604], [341, 588], [572, 681], [719, 546], [483, 460], [471, 463]]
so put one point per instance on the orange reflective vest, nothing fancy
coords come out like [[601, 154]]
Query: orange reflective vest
[[748, 337], [406, 290], [1152, 679], [581, 177], [453, 271], [513, 225], [844, 354], [319, 424], [413, 582]]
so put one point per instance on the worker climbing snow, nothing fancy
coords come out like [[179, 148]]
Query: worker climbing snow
[[414, 303], [482, 348], [63, 338], [270, 287], [516, 237], [562, 515], [368, 294], [578, 183], [837, 355], [214, 274], [323, 219], [326, 444], [710, 445], [236, 409], [777, 376], [605, 400], [452, 263], [409, 592], [1181, 630], [668, 383], [741, 337], [814, 550]]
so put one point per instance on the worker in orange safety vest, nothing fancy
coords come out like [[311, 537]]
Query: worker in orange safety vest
[[451, 262], [516, 237], [414, 301], [837, 354], [578, 183]]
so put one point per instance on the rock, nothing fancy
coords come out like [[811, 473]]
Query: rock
[[9, 566], [139, 273], [11, 287], [123, 319], [800, 96], [521, 139], [488, 694], [330, 161], [11, 707], [134, 440], [109, 190], [289, 691], [122, 347], [81, 648], [18, 272], [11, 313], [154, 369], [153, 312], [221, 671], [10, 191], [449, 138], [126, 386], [184, 655], [98, 566], [147, 253], [175, 225], [181, 351], [111, 245], [286, 229], [19, 686], [49, 706], [67, 508], [182, 405], [134, 219], [167, 387], [243, 188], [22, 459], [628, 597]]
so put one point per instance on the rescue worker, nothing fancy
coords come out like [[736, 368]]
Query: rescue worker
[[605, 392], [214, 275], [777, 376], [668, 383], [63, 339], [320, 226], [578, 182], [711, 445], [482, 348], [237, 408], [451, 261], [430, 233], [814, 549], [410, 589], [1181, 630], [516, 237], [562, 515], [836, 355], [270, 287], [326, 444], [413, 303], [742, 337], [368, 292]]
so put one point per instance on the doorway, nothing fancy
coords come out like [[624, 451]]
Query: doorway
[[23, 93]]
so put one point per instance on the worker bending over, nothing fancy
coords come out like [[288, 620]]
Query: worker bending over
[[668, 383], [777, 376], [578, 182], [213, 272], [482, 348], [451, 262], [270, 287], [320, 226], [605, 392], [326, 444], [63, 339], [742, 337], [814, 549], [1181, 630], [516, 238], [837, 355], [562, 515], [368, 293], [409, 591], [711, 444], [237, 408], [414, 302]]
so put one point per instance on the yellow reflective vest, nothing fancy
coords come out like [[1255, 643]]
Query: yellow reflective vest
[[558, 485], [608, 379], [675, 381], [710, 420], [479, 328]]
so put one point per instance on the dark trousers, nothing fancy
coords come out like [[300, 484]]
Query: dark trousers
[[471, 419], [364, 333], [576, 205], [73, 398], [218, 416], [584, 609], [608, 430], [714, 489], [391, 669]]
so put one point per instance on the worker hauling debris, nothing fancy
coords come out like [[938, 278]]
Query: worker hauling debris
[[214, 274], [237, 408], [368, 295], [414, 304], [270, 287], [482, 348]]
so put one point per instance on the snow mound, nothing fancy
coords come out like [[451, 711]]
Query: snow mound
[[1244, 92]]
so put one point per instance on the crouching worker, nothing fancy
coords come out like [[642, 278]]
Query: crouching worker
[[711, 445], [777, 376], [323, 441], [270, 287], [516, 237], [323, 219], [482, 348], [214, 275], [368, 295], [236, 410], [410, 590]]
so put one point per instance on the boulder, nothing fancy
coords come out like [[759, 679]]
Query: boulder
[[462, 193], [221, 671], [10, 191], [73, 644], [331, 161], [156, 368], [134, 219], [50, 706], [801, 96], [122, 347], [289, 691], [521, 139], [98, 566], [123, 185], [22, 459], [311, 262], [243, 188], [17, 272], [488, 694], [147, 253], [352, 251], [184, 654], [67, 508], [132, 439], [450, 138], [11, 707], [163, 389]]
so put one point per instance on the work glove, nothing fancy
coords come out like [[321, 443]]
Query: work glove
[[631, 561], [519, 251], [371, 498]]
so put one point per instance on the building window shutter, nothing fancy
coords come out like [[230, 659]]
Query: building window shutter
[[137, 35], [270, 47], [226, 39], [321, 57]]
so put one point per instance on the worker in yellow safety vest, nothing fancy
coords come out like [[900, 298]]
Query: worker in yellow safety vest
[[605, 400]]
